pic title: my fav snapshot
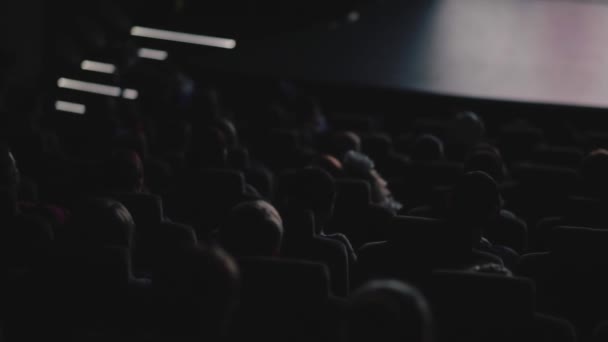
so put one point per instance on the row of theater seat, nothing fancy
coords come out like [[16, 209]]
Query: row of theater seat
[[155, 219]]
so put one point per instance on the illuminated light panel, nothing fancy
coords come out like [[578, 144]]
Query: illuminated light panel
[[89, 87], [70, 107], [158, 55], [105, 68], [181, 37], [353, 16], [130, 94]]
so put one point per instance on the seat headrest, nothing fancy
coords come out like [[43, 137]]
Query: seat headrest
[[482, 299], [580, 243], [289, 280], [546, 174], [428, 238], [95, 266], [415, 230]]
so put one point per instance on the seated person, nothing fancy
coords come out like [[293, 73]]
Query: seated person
[[474, 206], [315, 190], [253, 229], [358, 165], [426, 148], [388, 311]]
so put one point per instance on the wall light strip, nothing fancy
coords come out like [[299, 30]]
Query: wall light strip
[[105, 68], [181, 37], [88, 87], [158, 55], [70, 107], [130, 94]]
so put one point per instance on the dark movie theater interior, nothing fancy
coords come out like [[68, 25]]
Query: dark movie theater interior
[[304, 170]]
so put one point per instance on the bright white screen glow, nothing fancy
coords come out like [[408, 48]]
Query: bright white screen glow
[[181, 37]]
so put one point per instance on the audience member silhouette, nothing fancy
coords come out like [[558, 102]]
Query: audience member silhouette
[[488, 161], [199, 289], [358, 165], [465, 130], [315, 190], [593, 173], [253, 229], [342, 142], [9, 183], [100, 222], [23, 238], [388, 310], [302, 242], [475, 204], [427, 148]]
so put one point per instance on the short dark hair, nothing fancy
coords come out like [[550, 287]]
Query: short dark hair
[[253, 229], [101, 222], [202, 284], [427, 147], [388, 310]]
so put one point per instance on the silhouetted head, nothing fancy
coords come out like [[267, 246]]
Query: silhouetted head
[[386, 311], [487, 161], [228, 130], [253, 229], [466, 129], [208, 149], [315, 190], [427, 147], [101, 222], [9, 182], [358, 165], [309, 114], [202, 285], [125, 172], [594, 173], [345, 141], [378, 145], [475, 202]]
